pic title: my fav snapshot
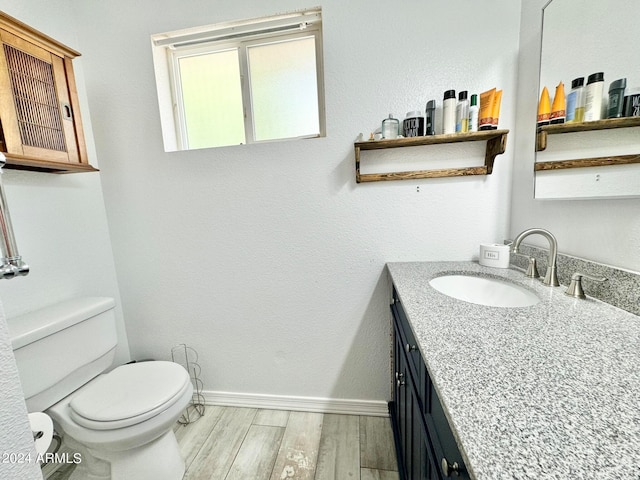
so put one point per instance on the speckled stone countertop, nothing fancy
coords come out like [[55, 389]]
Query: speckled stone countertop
[[541, 392]]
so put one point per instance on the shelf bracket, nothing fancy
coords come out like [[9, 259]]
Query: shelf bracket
[[495, 146], [541, 141]]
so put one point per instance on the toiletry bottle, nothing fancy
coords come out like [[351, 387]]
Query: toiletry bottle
[[390, 127], [558, 107], [462, 113], [473, 113], [487, 105], [495, 113], [632, 103], [616, 98], [413, 125], [593, 97], [449, 112], [430, 118], [575, 102], [544, 108]]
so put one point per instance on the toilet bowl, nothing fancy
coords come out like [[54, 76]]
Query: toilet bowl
[[119, 418], [120, 422]]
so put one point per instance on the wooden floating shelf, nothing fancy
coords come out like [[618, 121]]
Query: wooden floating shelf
[[496, 145], [607, 124], [587, 162]]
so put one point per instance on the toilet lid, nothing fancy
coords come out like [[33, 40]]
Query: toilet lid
[[129, 394]]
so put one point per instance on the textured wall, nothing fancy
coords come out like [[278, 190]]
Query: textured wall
[[14, 425], [269, 259], [59, 221], [603, 230], [61, 231]]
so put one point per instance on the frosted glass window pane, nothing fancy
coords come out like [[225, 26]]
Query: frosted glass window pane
[[284, 90], [212, 99]]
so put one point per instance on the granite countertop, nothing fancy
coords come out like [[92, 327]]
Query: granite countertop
[[540, 392]]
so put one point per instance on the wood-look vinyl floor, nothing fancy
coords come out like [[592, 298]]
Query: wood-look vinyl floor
[[230, 443]]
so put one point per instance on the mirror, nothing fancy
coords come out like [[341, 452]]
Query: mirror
[[598, 159]]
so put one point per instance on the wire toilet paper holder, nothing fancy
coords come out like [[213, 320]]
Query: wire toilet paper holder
[[188, 358]]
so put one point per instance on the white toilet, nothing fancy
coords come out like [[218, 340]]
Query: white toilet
[[120, 422]]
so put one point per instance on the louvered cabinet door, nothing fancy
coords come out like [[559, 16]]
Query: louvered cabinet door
[[36, 111]]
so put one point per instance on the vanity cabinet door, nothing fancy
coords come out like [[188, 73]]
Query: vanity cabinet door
[[445, 448], [402, 413], [413, 457], [422, 429], [415, 362]]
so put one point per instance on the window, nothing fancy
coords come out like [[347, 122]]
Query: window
[[241, 82]]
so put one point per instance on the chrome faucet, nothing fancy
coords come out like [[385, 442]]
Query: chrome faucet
[[11, 264], [551, 277]]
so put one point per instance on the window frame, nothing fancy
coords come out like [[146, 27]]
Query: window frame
[[176, 51]]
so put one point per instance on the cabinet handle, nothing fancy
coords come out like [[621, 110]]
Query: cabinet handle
[[450, 469], [399, 375], [67, 113], [410, 348], [400, 382]]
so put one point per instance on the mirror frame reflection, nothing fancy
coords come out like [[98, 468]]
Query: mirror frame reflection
[[598, 158]]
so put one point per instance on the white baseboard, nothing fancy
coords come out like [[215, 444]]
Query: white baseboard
[[374, 408]]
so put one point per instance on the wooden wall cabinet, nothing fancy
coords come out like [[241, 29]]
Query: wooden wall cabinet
[[40, 122], [426, 446]]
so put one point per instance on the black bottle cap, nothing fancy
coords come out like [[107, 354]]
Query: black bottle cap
[[449, 94], [618, 84], [462, 95], [595, 77], [577, 82]]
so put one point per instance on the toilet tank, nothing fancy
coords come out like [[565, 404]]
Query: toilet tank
[[61, 347]]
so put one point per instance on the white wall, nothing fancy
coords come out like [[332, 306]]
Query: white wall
[[61, 231], [59, 221], [603, 230], [16, 437], [269, 259]]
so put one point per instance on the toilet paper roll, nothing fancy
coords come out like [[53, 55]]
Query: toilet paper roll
[[494, 255], [42, 429]]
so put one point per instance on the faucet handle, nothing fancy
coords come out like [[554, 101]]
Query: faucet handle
[[532, 269], [575, 287]]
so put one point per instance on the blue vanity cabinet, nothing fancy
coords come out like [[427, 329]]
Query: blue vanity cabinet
[[426, 447], [411, 432]]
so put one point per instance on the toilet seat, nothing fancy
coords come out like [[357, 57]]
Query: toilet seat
[[129, 394]]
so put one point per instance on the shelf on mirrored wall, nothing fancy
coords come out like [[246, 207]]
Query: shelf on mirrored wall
[[606, 124], [496, 144]]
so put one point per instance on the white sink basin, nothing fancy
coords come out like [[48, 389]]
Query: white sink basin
[[484, 291]]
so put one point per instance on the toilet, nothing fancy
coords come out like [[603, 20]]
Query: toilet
[[121, 422]]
